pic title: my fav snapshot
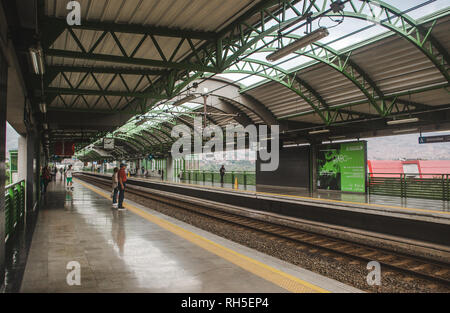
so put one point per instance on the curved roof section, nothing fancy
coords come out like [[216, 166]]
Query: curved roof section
[[351, 91], [394, 66]]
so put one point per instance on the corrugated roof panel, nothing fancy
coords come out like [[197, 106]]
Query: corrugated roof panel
[[393, 63], [205, 15], [253, 116], [440, 31], [397, 65], [334, 87], [363, 108], [434, 97], [311, 118]]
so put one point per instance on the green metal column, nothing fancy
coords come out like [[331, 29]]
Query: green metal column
[[3, 106]]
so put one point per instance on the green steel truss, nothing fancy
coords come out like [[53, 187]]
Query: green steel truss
[[393, 19], [297, 85], [377, 12], [209, 52], [228, 51]]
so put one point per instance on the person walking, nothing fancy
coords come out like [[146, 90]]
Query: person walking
[[115, 186], [46, 177], [122, 184], [69, 178], [65, 170], [222, 174], [61, 171]]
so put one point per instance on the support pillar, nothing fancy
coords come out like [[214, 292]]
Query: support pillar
[[169, 167], [3, 106], [22, 159], [32, 170], [313, 167]]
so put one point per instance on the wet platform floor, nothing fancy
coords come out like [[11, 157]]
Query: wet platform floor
[[124, 252]]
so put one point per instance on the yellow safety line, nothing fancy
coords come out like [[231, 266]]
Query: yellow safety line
[[311, 198], [280, 278]]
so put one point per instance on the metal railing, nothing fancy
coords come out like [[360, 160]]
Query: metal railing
[[427, 186], [14, 207], [243, 177]]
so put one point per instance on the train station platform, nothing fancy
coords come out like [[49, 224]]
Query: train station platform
[[420, 230], [407, 207], [426, 206], [141, 250]]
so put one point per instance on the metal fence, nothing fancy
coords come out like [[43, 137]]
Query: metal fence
[[14, 206], [427, 186], [243, 177]]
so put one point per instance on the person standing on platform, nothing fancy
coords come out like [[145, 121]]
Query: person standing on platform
[[61, 171], [115, 186], [65, 170], [222, 174], [69, 177], [122, 184], [46, 177]]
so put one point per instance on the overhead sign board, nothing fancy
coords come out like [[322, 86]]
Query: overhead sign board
[[108, 143], [64, 148], [434, 139]]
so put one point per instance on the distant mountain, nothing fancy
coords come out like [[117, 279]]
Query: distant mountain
[[406, 147]]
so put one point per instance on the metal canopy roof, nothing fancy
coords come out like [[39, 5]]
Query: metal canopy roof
[[127, 55], [395, 69], [138, 57]]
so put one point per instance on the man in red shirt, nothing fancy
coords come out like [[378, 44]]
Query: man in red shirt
[[122, 183]]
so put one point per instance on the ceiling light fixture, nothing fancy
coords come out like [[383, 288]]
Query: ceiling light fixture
[[37, 59], [306, 40], [43, 107], [320, 131], [403, 121]]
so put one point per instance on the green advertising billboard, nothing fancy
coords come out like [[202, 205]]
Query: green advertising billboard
[[342, 166]]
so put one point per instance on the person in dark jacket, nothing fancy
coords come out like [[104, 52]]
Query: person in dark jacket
[[122, 184], [222, 174], [115, 186], [46, 177]]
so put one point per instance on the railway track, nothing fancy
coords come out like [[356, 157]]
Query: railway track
[[416, 267]]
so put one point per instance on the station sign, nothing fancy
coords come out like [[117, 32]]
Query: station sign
[[434, 139], [64, 148], [108, 143]]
